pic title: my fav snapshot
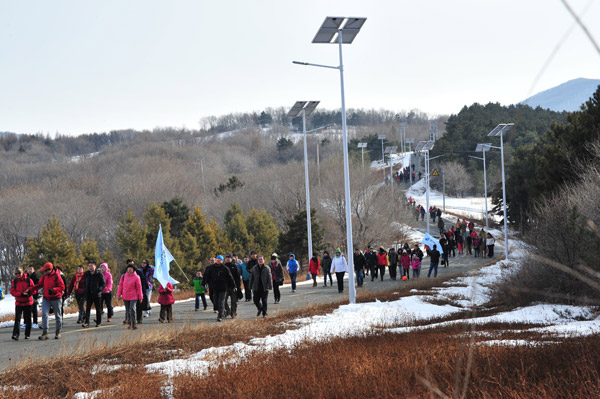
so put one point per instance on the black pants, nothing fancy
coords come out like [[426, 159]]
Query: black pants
[[34, 311], [220, 297], [231, 297], [107, 299], [260, 300], [166, 311], [373, 272], [247, 291], [141, 307], [340, 280], [393, 272], [97, 301], [26, 312], [276, 292], [80, 299], [381, 271], [325, 274], [212, 297]]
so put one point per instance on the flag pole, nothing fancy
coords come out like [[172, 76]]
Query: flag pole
[[182, 272]]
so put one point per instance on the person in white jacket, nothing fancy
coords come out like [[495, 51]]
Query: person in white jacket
[[339, 266]]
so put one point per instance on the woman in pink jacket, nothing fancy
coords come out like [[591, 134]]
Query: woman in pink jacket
[[130, 290], [405, 262], [107, 291], [166, 300]]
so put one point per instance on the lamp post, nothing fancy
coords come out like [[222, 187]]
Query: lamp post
[[483, 148], [499, 131], [403, 138], [382, 138], [305, 108], [426, 146], [346, 30], [362, 147], [318, 156], [410, 142]]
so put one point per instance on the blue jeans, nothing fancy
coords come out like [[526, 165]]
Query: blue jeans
[[360, 277], [433, 266], [293, 277], [57, 306], [198, 296]]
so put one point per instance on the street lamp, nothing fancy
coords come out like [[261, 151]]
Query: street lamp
[[483, 148], [403, 139], [382, 137], [344, 30], [426, 146], [499, 131], [362, 147], [305, 108]]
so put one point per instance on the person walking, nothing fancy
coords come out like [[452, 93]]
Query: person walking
[[326, 267], [359, 266], [107, 291], [53, 286], [382, 261], [166, 301], [208, 282], [34, 307], [313, 268], [416, 266], [148, 271], [434, 255], [405, 262], [245, 274], [277, 275], [393, 259], [233, 292], [223, 280], [371, 258], [21, 289], [261, 282], [490, 245], [130, 290], [339, 266], [199, 290], [94, 284], [292, 267], [77, 285]]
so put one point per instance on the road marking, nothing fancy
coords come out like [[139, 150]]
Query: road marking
[[88, 329]]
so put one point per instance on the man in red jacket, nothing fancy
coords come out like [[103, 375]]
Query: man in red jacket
[[53, 286], [23, 302]]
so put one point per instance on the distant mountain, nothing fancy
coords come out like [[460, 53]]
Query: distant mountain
[[568, 96]]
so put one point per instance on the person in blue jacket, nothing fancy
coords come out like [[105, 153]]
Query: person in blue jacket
[[292, 267]]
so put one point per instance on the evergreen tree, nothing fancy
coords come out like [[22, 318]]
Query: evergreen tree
[[178, 212], [52, 244], [154, 216], [295, 240], [235, 228], [131, 238], [88, 252], [223, 245], [198, 239], [263, 232]]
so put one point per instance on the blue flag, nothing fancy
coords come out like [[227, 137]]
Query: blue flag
[[429, 241], [162, 258]]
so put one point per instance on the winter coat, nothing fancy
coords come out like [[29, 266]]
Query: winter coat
[[326, 263], [235, 273], [18, 286], [165, 294], [276, 271], [292, 266], [251, 264], [261, 274], [371, 259], [393, 258], [208, 276], [34, 277], [416, 263], [405, 261], [243, 268], [434, 254], [108, 280], [77, 284], [221, 278], [313, 266], [440, 223], [94, 283], [339, 264], [198, 284], [130, 287], [53, 285], [417, 253], [382, 259], [149, 275], [359, 261]]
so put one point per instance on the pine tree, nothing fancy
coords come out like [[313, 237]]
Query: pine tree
[[131, 238], [178, 212], [88, 252], [295, 240], [263, 232], [198, 239], [154, 216], [52, 244], [235, 228], [223, 245]]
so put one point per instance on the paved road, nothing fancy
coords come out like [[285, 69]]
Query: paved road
[[73, 336]]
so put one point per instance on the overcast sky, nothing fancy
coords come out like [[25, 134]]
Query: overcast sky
[[77, 67]]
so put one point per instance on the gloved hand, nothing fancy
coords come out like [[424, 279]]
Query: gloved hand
[[51, 291]]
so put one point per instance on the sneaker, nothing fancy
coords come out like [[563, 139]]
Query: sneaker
[[108, 320], [124, 321], [219, 319], [161, 321], [293, 291], [34, 325], [258, 313], [98, 324], [43, 337], [57, 336], [15, 337], [205, 307], [264, 315], [27, 337], [83, 325], [78, 321], [195, 309]]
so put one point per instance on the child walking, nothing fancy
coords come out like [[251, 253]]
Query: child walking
[[166, 301], [199, 289]]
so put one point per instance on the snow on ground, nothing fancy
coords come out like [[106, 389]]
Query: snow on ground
[[7, 306]]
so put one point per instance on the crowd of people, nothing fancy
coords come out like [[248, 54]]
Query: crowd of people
[[227, 279]]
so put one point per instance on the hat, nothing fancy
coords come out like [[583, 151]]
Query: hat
[[275, 254], [220, 257], [228, 256], [292, 256], [382, 248], [338, 250], [104, 265], [47, 266]]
